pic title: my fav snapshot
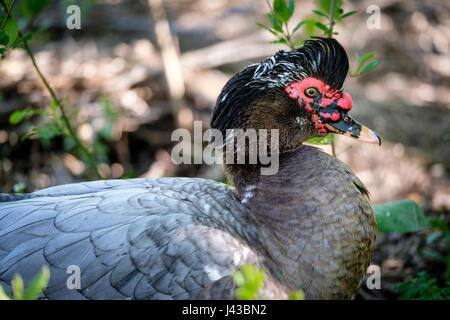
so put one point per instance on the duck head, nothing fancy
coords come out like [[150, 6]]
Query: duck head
[[298, 92]]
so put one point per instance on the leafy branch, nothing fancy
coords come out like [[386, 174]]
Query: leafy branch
[[62, 125], [332, 11], [7, 15], [279, 18], [328, 12], [363, 65], [423, 287], [441, 233], [281, 13]]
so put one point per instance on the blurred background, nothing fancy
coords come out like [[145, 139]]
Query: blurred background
[[137, 70]]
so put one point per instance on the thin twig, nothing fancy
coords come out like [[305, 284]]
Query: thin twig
[[270, 7], [288, 37], [331, 17], [8, 13], [170, 58], [345, 150], [61, 109], [333, 145]]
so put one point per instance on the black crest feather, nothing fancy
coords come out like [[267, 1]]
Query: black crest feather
[[330, 59]]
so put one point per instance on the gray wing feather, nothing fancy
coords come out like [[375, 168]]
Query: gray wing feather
[[169, 238]]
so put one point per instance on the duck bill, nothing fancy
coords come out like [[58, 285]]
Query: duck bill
[[353, 129]]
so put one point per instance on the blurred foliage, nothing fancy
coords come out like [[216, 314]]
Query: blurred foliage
[[249, 280], [34, 289], [19, 187], [105, 134], [440, 234], [363, 64], [422, 288], [52, 124], [328, 139]]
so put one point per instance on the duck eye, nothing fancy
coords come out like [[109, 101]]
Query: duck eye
[[311, 92]]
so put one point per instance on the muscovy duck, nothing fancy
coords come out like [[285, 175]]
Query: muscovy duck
[[309, 226]]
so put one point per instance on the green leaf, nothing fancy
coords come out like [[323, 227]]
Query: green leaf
[[19, 187], [261, 25], [29, 134], [433, 254], [17, 286], [325, 6], [309, 27], [58, 120], [434, 236], [321, 26], [323, 140], [439, 224], [32, 7], [281, 10], [298, 43], [17, 116], [422, 288], [248, 280], [16, 43], [45, 133], [291, 7], [37, 285], [297, 295], [11, 30], [370, 66], [267, 28], [275, 23], [400, 217], [27, 37], [299, 25], [280, 40], [320, 13], [56, 131], [108, 109], [3, 295], [366, 57], [4, 39], [19, 40], [348, 14]]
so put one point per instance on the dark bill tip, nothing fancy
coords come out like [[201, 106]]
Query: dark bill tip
[[353, 129]]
